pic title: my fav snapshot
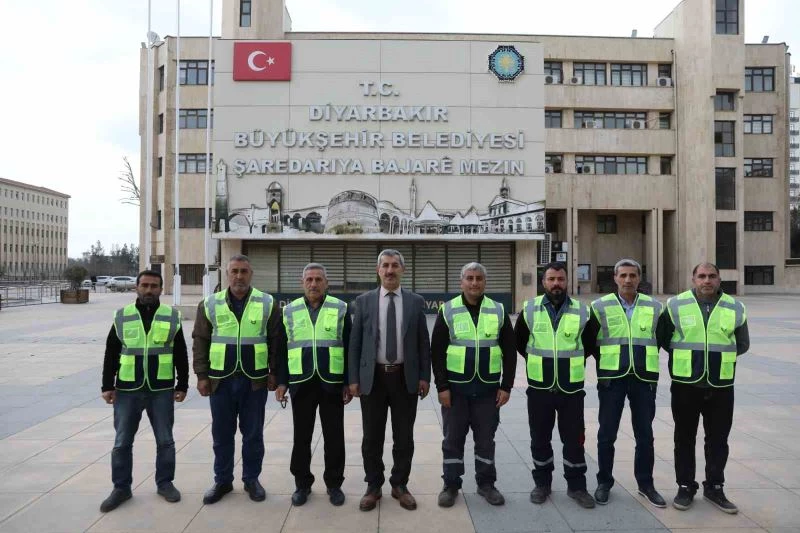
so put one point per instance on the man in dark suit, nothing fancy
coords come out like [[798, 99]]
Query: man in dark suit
[[389, 364]]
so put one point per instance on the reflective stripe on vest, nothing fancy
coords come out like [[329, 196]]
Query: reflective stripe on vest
[[236, 344], [474, 352], [627, 346], [704, 351], [145, 359], [315, 347], [555, 359]]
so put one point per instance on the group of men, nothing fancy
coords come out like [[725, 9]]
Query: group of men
[[323, 352]]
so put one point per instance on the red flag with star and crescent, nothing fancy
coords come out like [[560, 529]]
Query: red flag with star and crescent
[[262, 61]]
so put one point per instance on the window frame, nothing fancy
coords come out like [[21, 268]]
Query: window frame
[[245, 13], [186, 160], [759, 221], [556, 161], [765, 271], [724, 178], [721, 144], [555, 69], [725, 245], [759, 167], [633, 70], [719, 102], [609, 119], [196, 72], [756, 78], [749, 122], [195, 116], [727, 17], [551, 116], [606, 224], [610, 165], [597, 70]]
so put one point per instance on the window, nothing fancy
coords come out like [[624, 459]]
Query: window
[[192, 163], [666, 165], [726, 188], [759, 79], [192, 217], [609, 119], [725, 101], [590, 73], [555, 161], [552, 119], [759, 275], [192, 274], [158, 219], [196, 72], [727, 17], [758, 168], [758, 124], [160, 167], [606, 223], [555, 69], [665, 121], [192, 119], [628, 75], [726, 245], [161, 123], [600, 164], [723, 138], [665, 70], [245, 12], [161, 78], [758, 220]]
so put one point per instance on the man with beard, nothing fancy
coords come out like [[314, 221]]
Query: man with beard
[[553, 338], [144, 349], [704, 331], [238, 337]]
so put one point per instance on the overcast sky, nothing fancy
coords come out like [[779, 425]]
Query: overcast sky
[[70, 74]]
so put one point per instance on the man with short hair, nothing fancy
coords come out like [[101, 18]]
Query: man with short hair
[[627, 366], [238, 338], [144, 349], [704, 330], [553, 338], [390, 367], [315, 372], [472, 349]]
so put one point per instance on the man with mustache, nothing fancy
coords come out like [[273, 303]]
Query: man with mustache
[[553, 338]]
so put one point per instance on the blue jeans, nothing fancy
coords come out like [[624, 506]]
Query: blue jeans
[[642, 398], [235, 398], [128, 407]]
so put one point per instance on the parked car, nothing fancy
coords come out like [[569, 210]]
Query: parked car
[[87, 284], [102, 280], [121, 283]]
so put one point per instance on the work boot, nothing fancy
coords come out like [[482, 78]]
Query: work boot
[[114, 499], [256, 491], [401, 494], [216, 492], [370, 499], [539, 494], [683, 500], [336, 496], [447, 498], [169, 492], [300, 497], [491, 494], [601, 494], [583, 498], [714, 494]]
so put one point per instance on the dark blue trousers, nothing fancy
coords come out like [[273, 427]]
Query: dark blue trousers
[[128, 407], [235, 399], [642, 400], [479, 413]]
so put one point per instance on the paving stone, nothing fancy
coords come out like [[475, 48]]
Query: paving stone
[[518, 515], [10, 503], [623, 513], [147, 511], [29, 477], [768, 507], [237, 513], [56, 513]]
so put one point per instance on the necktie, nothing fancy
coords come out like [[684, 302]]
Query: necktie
[[391, 329]]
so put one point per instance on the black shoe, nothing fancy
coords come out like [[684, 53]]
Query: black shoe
[[335, 495], [601, 494], [216, 492], [114, 499], [652, 496], [300, 496], [583, 498], [169, 492], [683, 500], [714, 494], [447, 498], [539, 494], [256, 491], [491, 495]]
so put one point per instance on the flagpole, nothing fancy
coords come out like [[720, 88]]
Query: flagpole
[[176, 280], [206, 202], [148, 193]]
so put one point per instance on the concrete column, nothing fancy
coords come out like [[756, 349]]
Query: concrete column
[[525, 269]]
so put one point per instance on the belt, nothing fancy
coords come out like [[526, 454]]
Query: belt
[[389, 368]]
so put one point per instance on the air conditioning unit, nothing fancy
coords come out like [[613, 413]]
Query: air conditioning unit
[[636, 124], [664, 82], [585, 168], [576, 80], [550, 79], [548, 169], [592, 123]]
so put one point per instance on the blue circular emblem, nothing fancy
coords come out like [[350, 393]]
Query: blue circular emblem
[[506, 63]]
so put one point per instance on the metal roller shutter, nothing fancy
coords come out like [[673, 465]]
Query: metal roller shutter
[[332, 256], [264, 260], [459, 255], [499, 260], [293, 258], [359, 263], [430, 270]]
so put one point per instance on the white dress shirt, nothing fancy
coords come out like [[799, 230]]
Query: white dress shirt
[[383, 305]]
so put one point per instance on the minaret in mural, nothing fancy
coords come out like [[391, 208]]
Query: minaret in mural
[[504, 189], [221, 198], [412, 206]]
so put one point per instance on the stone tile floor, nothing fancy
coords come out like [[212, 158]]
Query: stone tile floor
[[56, 435]]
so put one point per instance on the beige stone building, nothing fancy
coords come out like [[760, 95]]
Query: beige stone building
[[33, 242], [794, 142], [671, 150]]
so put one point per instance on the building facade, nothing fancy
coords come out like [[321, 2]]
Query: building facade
[[794, 143], [33, 242], [671, 150]]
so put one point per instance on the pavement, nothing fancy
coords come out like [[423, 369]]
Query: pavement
[[56, 435]]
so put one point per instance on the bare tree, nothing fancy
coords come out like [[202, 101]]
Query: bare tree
[[129, 186]]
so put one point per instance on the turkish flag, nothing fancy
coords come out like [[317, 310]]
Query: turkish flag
[[262, 61]]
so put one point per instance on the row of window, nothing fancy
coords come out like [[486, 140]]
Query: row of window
[[606, 119], [31, 232], [20, 267], [187, 164], [753, 221], [189, 119], [33, 215], [726, 256], [191, 72], [32, 197], [27, 248], [188, 217], [605, 164]]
